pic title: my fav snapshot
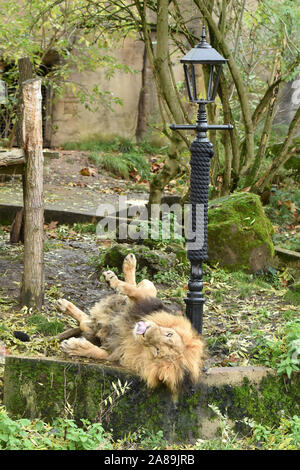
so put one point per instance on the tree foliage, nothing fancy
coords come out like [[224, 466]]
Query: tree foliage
[[260, 43], [52, 36]]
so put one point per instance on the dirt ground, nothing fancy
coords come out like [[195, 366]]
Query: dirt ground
[[233, 310], [67, 269], [66, 188]]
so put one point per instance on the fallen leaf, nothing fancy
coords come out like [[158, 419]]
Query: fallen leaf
[[87, 171], [53, 224]]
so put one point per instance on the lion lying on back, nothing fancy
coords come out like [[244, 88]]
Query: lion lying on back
[[138, 332]]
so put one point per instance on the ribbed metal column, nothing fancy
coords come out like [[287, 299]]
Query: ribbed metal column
[[201, 153]]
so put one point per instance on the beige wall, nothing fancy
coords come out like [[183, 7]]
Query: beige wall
[[74, 122]]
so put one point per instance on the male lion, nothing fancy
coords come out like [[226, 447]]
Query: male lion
[[138, 332]]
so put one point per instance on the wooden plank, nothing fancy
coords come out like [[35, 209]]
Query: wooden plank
[[11, 157], [293, 255], [12, 161]]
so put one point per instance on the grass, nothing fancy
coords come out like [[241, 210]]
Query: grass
[[120, 156], [118, 144], [122, 165], [45, 326]]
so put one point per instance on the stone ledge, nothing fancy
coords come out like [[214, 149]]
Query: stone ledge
[[38, 387]]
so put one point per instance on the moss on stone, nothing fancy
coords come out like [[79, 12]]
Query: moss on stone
[[239, 233], [46, 388], [264, 403]]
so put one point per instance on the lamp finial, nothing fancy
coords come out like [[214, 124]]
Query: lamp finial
[[203, 43]]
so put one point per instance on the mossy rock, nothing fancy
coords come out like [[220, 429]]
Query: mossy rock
[[155, 261], [239, 233]]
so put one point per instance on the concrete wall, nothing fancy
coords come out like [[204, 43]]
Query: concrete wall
[[45, 388], [74, 122]]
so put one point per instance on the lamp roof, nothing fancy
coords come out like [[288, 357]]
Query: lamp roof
[[203, 53]]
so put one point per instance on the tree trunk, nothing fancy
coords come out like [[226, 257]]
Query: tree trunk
[[170, 169], [283, 156], [143, 107], [238, 81], [253, 174], [17, 228], [25, 73], [32, 293], [166, 92]]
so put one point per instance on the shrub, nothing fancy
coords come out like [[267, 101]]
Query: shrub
[[282, 353], [62, 434]]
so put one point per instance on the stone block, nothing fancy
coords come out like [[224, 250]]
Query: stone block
[[38, 387]]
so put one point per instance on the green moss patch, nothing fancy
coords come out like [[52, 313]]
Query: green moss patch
[[45, 388], [239, 233]]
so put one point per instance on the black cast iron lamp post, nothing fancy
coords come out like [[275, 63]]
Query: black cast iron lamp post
[[201, 153]]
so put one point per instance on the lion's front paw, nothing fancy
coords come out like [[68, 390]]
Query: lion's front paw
[[75, 346], [110, 278], [62, 305]]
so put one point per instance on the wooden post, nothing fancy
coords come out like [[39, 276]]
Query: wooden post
[[25, 73], [32, 292]]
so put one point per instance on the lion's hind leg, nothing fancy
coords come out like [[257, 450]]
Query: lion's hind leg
[[83, 347]]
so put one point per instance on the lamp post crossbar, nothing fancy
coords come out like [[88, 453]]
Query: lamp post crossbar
[[200, 127]]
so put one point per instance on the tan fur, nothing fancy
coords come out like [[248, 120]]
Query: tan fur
[[169, 349]]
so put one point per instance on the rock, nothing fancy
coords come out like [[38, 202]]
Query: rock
[[155, 261], [239, 233]]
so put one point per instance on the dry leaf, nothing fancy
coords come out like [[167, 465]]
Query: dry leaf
[[53, 224], [87, 171]]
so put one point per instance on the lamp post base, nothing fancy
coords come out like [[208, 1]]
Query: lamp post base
[[195, 299]]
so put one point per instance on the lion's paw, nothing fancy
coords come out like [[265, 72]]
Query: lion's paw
[[75, 346], [62, 304], [110, 277], [129, 261]]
